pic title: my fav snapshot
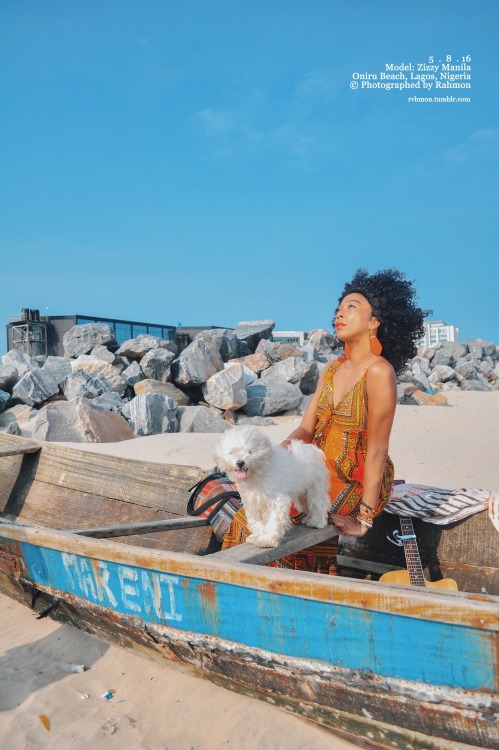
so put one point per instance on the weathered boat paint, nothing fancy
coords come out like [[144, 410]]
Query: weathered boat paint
[[360, 640]]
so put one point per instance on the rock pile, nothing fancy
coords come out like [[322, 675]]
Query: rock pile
[[99, 392]]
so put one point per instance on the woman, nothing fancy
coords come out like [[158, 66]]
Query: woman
[[351, 413]]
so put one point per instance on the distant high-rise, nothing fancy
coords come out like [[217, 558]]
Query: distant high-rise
[[439, 332]]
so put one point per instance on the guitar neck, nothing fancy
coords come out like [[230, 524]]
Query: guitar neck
[[411, 550]]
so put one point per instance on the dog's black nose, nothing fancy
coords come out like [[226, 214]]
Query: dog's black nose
[[239, 464]]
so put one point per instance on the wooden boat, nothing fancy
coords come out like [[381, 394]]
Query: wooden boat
[[103, 543]]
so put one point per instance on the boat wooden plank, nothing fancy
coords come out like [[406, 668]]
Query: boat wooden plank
[[469, 610], [18, 449], [107, 532], [295, 539]]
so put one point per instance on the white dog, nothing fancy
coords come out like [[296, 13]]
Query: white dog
[[269, 477]]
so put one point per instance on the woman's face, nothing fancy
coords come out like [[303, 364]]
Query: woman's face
[[354, 317]]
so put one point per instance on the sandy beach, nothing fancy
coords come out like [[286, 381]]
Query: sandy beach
[[158, 707]]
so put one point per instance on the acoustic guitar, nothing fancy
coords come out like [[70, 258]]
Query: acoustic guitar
[[413, 576]]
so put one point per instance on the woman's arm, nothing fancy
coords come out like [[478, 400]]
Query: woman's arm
[[306, 431], [382, 399]]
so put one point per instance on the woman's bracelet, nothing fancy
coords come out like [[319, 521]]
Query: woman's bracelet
[[363, 522], [369, 507]]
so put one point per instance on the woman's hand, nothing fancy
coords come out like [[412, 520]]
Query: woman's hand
[[347, 525], [286, 443]]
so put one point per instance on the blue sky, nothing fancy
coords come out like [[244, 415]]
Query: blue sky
[[208, 162]]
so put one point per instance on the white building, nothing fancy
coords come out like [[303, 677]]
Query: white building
[[289, 337], [437, 331]]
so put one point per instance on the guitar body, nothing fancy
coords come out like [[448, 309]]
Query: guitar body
[[402, 577]]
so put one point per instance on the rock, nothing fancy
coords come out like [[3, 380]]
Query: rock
[[424, 399], [137, 348], [440, 374], [97, 367], [420, 377], [310, 353], [8, 377], [165, 389], [152, 414], [21, 361], [474, 385], [322, 341], [257, 421], [442, 357], [35, 387], [23, 413], [198, 362], [257, 362], [475, 348], [427, 352], [4, 400], [249, 375], [83, 384], [466, 371], [277, 352], [295, 370], [225, 339], [226, 389], [9, 424], [79, 421], [132, 374], [297, 411], [489, 348], [253, 331], [102, 352], [58, 367], [271, 396], [156, 364], [200, 419], [82, 339], [109, 400]]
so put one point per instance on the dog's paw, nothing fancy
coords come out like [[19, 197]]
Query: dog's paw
[[257, 540], [315, 521]]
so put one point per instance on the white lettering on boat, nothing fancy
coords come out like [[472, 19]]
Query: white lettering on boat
[[148, 593]]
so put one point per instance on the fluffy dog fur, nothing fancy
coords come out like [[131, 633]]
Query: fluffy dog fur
[[269, 477]]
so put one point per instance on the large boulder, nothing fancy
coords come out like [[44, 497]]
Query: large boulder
[[323, 341], [310, 353], [98, 368], [137, 348], [4, 400], [58, 367], [466, 370], [253, 331], [79, 421], [102, 352], [271, 396], [249, 375], [256, 362], [295, 370], [82, 339], [440, 374], [475, 385], [35, 387], [151, 414], [226, 389], [200, 419], [9, 424], [156, 364], [442, 357], [489, 348], [277, 352], [8, 377], [83, 383], [475, 348], [132, 374], [21, 361], [226, 340], [198, 362], [109, 400], [421, 398], [165, 389]]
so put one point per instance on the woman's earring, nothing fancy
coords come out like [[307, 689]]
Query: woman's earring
[[374, 343], [346, 349]]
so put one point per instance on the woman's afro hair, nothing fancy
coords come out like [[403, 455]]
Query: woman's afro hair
[[393, 301]]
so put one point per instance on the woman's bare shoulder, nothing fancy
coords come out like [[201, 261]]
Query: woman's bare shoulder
[[380, 371]]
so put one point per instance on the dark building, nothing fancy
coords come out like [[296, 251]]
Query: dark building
[[42, 335]]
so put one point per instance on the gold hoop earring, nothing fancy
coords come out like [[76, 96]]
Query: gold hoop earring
[[375, 344]]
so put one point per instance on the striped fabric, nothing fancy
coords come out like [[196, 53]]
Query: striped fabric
[[439, 506]]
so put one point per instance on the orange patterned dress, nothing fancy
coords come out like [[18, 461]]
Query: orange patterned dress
[[341, 433]]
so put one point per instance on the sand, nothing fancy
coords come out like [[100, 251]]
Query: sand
[[158, 707]]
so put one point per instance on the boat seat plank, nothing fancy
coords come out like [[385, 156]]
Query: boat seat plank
[[18, 449], [295, 539], [170, 524]]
